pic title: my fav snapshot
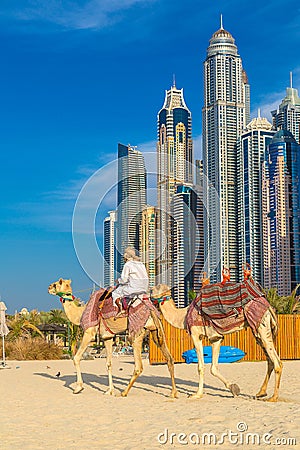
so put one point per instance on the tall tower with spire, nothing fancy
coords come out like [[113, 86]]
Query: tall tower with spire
[[287, 116], [174, 159], [225, 114]]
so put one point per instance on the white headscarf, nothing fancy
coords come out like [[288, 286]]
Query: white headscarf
[[130, 254]]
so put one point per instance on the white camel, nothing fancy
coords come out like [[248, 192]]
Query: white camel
[[108, 328], [266, 332]]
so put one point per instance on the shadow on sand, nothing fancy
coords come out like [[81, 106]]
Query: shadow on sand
[[144, 383]]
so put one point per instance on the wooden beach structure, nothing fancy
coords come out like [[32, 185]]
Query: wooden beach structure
[[287, 341]]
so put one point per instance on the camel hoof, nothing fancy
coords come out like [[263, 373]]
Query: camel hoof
[[174, 394], [78, 389], [271, 399], [260, 396], [109, 392], [235, 390], [195, 396], [123, 394]]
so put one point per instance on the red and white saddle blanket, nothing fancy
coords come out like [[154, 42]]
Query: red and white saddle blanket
[[227, 306], [138, 312]]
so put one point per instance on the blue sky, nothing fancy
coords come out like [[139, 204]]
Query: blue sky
[[76, 78]]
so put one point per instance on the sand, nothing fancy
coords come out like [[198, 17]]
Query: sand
[[39, 410]]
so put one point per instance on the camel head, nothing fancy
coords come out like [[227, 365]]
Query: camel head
[[160, 290], [162, 297], [60, 287], [161, 293]]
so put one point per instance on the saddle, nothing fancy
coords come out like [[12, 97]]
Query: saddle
[[127, 302]]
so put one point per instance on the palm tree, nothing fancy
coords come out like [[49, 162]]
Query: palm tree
[[20, 326], [283, 304], [75, 334], [58, 317]]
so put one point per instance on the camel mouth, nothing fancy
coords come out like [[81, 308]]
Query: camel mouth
[[52, 289]]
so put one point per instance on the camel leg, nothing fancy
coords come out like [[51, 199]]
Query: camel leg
[[109, 348], [263, 390], [138, 365], [160, 340], [214, 369], [265, 339], [199, 349], [87, 338]]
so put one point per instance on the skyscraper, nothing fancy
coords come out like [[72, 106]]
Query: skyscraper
[[252, 147], [175, 158], [281, 213], [287, 116], [147, 245], [199, 266], [225, 114], [184, 237], [131, 199], [109, 226]]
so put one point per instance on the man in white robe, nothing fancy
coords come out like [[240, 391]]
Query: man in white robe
[[134, 279]]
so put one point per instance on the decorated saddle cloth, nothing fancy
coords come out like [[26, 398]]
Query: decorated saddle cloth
[[138, 311], [227, 306], [139, 314], [91, 315]]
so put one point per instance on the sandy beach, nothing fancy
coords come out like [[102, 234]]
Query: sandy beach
[[39, 411]]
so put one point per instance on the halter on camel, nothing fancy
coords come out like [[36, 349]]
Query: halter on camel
[[161, 299], [65, 296]]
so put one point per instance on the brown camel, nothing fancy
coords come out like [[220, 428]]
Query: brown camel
[[265, 337], [107, 330]]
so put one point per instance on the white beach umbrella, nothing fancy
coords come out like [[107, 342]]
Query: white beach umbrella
[[3, 329]]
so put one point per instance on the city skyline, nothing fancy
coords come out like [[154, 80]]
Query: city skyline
[[60, 88]]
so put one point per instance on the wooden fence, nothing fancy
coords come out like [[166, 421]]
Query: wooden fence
[[287, 341]]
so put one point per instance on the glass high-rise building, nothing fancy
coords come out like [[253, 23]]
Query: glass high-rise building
[[281, 213], [147, 244], [252, 147], [175, 158], [199, 266], [287, 116], [109, 241], [225, 114], [185, 242], [131, 199]]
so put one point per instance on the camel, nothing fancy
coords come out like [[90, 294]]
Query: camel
[[108, 329], [265, 338]]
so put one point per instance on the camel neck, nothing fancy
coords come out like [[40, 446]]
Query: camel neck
[[174, 316], [73, 311]]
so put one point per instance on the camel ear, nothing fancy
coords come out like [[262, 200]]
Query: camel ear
[[70, 281], [60, 281]]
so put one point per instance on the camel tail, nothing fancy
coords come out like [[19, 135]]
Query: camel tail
[[159, 334], [274, 322]]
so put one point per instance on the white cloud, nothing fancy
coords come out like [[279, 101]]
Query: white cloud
[[91, 14], [268, 104]]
